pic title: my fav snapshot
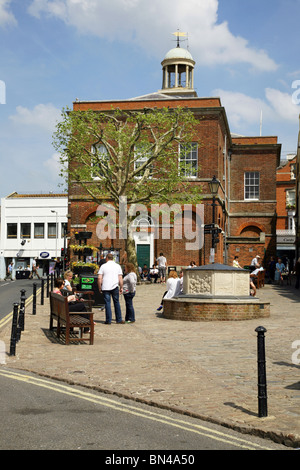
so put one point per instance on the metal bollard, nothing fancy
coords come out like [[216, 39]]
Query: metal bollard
[[262, 380], [42, 290], [34, 299], [22, 311], [48, 285], [14, 331]]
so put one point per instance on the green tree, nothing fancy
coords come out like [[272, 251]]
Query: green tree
[[128, 154]]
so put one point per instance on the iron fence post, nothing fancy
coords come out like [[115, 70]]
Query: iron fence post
[[42, 290], [14, 330], [34, 299], [262, 379]]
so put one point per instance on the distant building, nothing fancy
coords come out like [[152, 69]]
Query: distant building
[[286, 210], [297, 211], [32, 227]]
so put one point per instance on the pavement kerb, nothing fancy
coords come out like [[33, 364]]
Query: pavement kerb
[[212, 376]]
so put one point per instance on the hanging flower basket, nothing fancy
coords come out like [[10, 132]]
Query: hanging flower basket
[[83, 270], [80, 267], [85, 250]]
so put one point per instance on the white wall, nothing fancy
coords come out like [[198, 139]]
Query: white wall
[[32, 210]]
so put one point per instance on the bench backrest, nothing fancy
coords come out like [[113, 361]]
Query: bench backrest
[[59, 305]]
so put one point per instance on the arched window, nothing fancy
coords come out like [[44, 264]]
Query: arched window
[[143, 221]]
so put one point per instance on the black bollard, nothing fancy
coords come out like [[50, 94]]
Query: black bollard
[[42, 290], [48, 285], [14, 330], [22, 311], [34, 299], [262, 380]]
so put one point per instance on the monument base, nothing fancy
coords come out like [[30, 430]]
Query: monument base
[[188, 308]]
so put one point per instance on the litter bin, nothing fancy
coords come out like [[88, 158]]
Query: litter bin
[[89, 283], [171, 268], [22, 274]]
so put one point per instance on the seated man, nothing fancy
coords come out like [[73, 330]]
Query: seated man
[[145, 273], [154, 273]]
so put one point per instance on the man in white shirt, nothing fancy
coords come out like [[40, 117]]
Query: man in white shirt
[[162, 267], [110, 282], [255, 263]]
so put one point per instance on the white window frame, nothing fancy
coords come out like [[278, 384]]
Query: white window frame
[[39, 230], [139, 161], [251, 188], [104, 156], [291, 197], [188, 156]]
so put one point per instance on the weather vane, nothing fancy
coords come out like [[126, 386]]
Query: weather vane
[[179, 35]]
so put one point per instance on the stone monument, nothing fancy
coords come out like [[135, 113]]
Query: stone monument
[[215, 292]]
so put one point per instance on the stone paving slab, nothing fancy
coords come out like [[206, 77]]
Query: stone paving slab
[[205, 369]]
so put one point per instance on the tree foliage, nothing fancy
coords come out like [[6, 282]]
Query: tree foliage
[[132, 154], [125, 153]]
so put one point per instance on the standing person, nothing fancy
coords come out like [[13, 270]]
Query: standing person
[[272, 269], [58, 267], [162, 267], [110, 277], [297, 271], [129, 287], [278, 273], [102, 261], [34, 270], [9, 270]]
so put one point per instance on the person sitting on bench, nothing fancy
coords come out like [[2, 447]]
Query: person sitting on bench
[[75, 305]]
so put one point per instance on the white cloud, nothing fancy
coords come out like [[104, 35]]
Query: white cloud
[[243, 110], [282, 104], [148, 23], [44, 116], [240, 108], [52, 165], [6, 16]]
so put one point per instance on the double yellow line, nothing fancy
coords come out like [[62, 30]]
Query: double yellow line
[[8, 317], [136, 411]]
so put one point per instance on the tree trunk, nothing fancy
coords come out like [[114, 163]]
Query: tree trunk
[[131, 253]]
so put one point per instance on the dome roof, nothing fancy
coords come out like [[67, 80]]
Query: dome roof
[[178, 53]]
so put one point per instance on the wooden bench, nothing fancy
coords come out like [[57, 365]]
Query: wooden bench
[[59, 311]]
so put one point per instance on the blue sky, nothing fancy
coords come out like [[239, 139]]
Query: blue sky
[[54, 51]]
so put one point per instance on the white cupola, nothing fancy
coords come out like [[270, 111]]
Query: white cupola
[[178, 72]]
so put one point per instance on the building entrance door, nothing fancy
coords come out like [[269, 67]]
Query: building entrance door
[[143, 255]]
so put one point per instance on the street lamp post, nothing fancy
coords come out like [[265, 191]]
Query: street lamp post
[[214, 187]]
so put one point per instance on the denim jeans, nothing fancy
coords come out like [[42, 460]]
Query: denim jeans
[[129, 306], [115, 296]]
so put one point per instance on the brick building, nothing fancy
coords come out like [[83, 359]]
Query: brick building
[[286, 208], [245, 210]]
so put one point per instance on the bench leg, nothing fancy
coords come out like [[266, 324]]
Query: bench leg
[[58, 328], [67, 334], [92, 333]]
